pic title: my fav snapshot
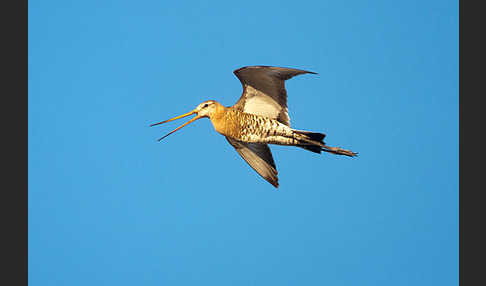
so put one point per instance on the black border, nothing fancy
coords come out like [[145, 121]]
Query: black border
[[471, 122], [14, 227]]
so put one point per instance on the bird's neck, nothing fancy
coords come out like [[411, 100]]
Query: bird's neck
[[219, 118], [218, 113]]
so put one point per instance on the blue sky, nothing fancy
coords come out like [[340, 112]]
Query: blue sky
[[109, 205]]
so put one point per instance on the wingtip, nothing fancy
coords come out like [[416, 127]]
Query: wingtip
[[275, 184], [236, 71]]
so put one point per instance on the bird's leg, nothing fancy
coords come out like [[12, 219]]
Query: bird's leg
[[335, 150], [339, 151]]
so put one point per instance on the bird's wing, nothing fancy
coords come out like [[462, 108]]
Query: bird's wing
[[259, 157], [264, 91]]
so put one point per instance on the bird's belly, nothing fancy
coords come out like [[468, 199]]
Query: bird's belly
[[257, 129], [278, 140]]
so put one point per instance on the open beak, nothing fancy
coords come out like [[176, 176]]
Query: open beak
[[177, 117]]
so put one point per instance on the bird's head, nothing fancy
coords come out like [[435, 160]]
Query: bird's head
[[206, 109]]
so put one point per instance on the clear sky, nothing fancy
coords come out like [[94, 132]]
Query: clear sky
[[109, 205]]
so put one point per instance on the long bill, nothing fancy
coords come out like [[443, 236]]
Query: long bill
[[175, 118]]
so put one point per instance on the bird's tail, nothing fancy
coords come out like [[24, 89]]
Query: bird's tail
[[314, 142]]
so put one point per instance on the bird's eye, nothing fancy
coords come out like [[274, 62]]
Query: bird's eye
[[205, 105]]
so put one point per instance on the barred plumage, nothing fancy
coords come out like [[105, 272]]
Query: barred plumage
[[253, 128]]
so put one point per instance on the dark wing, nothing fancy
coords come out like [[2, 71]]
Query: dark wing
[[259, 157], [264, 91]]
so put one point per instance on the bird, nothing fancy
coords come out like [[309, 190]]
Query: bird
[[260, 117]]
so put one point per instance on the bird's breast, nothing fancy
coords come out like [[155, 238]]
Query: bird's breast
[[246, 127]]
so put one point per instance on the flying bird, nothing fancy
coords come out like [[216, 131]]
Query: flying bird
[[260, 117]]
